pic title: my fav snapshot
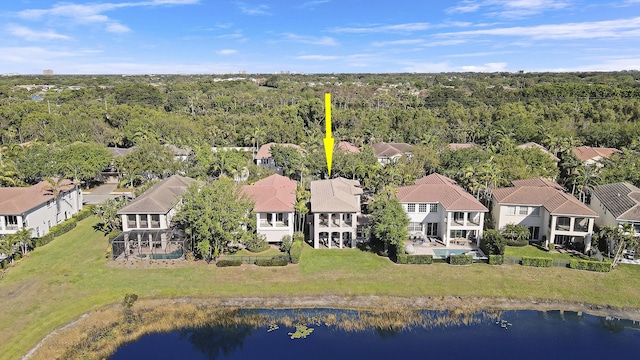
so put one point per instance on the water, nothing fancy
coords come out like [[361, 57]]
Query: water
[[507, 335], [445, 253]]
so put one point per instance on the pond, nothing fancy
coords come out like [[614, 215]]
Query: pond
[[436, 335]]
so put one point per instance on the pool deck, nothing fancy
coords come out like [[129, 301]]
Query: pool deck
[[426, 247]]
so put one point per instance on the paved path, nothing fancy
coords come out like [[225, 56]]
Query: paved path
[[100, 194]]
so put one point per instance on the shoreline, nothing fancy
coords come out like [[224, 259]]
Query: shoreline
[[79, 326]]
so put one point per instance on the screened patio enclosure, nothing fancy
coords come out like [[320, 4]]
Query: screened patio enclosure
[[152, 244]]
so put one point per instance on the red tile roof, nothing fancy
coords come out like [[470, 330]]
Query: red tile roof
[[533, 192], [275, 193], [436, 188], [265, 150], [348, 147], [585, 153], [17, 201]]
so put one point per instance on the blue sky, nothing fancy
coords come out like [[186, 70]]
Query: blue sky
[[318, 36]]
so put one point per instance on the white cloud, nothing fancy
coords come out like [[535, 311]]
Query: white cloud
[[32, 35], [313, 40], [398, 42], [607, 64], [425, 67], [253, 10], [311, 5], [488, 67], [402, 28], [93, 13], [317, 57], [226, 52], [621, 28], [510, 8]]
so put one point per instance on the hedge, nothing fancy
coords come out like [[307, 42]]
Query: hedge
[[83, 214], [272, 262], [56, 231], [599, 266], [536, 262], [496, 259], [225, 263], [114, 234], [461, 259], [295, 252], [414, 259], [518, 243]]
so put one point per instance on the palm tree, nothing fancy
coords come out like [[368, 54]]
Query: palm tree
[[54, 186]]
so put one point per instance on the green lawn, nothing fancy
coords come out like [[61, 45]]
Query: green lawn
[[70, 276]]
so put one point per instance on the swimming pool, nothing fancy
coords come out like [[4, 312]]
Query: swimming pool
[[444, 253]]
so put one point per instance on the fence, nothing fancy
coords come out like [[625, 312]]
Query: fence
[[247, 259]]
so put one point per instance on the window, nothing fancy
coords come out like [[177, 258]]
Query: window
[[523, 210], [534, 232], [433, 208], [511, 210], [535, 211], [432, 229], [12, 222], [155, 221], [414, 227], [458, 216], [563, 223], [422, 208], [458, 234], [411, 207], [279, 217]]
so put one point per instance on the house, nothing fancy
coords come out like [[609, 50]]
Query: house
[[348, 147], [155, 208], [35, 208], [275, 198], [390, 152], [460, 146], [178, 153], [111, 175], [546, 209], [534, 145], [438, 207], [594, 155], [335, 208], [264, 157], [617, 204]]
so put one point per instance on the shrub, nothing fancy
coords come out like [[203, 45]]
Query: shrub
[[298, 236], [552, 246], [44, 240], [83, 214], [272, 262], [225, 263], [295, 251], [114, 234], [461, 259], [414, 259], [256, 243], [599, 266], [496, 259], [286, 243], [492, 243], [3, 264], [517, 243], [536, 262]]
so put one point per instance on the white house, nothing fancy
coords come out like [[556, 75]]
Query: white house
[[155, 208], [34, 207], [335, 208], [265, 158], [617, 204], [438, 207], [275, 198], [546, 209], [390, 152]]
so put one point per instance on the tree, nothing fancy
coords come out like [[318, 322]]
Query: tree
[[55, 186], [302, 198], [82, 161], [107, 212], [388, 221], [216, 215], [516, 233], [492, 243]]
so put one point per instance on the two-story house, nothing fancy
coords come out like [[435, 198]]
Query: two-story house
[[275, 198], [551, 214], [438, 207], [387, 153], [155, 208], [265, 158], [335, 207], [617, 204], [35, 208]]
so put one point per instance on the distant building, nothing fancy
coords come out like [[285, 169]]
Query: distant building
[[460, 146], [593, 155], [390, 152], [534, 145], [47, 72], [346, 146]]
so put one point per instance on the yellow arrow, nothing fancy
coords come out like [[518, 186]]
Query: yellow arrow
[[328, 139]]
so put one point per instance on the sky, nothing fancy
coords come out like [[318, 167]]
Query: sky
[[317, 36]]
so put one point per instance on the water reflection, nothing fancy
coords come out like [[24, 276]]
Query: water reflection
[[346, 334]]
